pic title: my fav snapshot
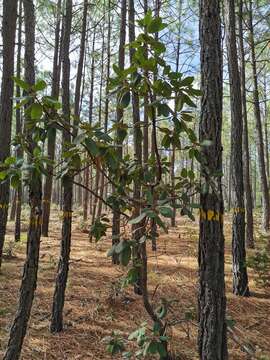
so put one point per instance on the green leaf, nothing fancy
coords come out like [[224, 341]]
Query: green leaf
[[166, 211], [40, 85], [92, 147], [3, 175], [124, 99], [156, 25], [151, 348], [187, 81], [10, 160], [137, 219], [161, 350], [36, 111], [184, 173], [161, 312], [188, 101], [15, 180], [125, 256], [21, 83], [121, 246], [79, 139], [163, 109]]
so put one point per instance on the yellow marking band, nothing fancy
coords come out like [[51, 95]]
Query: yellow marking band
[[211, 215], [36, 222], [3, 206], [46, 201], [238, 210], [67, 214]]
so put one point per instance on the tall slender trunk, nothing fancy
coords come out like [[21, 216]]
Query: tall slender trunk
[[137, 233], [29, 278], [173, 221], [67, 186], [119, 118], [154, 233], [101, 175], [13, 198], [52, 132], [90, 118], [80, 69], [19, 126], [240, 278], [257, 114], [266, 128], [212, 338], [78, 88], [8, 34], [106, 109], [246, 157], [145, 118], [86, 196]]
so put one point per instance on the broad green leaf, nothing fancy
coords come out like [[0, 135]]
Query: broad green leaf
[[137, 219], [36, 111], [40, 85], [91, 147], [125, 256], [166, 211], [21, 83], [124, 99], [156, 25]]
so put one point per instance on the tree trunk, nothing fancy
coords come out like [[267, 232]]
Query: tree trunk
[[29, 279], [246, 157], [86, 196], [137, 134], [119, 118], [257, 114], [212, 338], [52, 131], [80, 69], [240, 278], [67, 184], [19, 127], [8, 34], [173, 221], [266, 128]]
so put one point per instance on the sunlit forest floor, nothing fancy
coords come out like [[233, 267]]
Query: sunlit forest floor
[[96, 305]]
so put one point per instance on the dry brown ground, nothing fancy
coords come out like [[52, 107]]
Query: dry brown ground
[[94, 307]]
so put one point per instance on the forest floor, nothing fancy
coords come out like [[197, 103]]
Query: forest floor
[[96, 305]]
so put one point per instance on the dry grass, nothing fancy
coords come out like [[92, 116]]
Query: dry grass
[[94, 306]]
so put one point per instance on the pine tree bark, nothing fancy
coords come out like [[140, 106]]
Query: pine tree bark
[[266, 135], [246, 156], [119, 118], [136, 228], [52, 132], [19, 127], [106, 107], [8, 34], [67, 185], [88, 173], [29, 279], [172, 170], [240, 278], [257, 114], [212, 339]]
